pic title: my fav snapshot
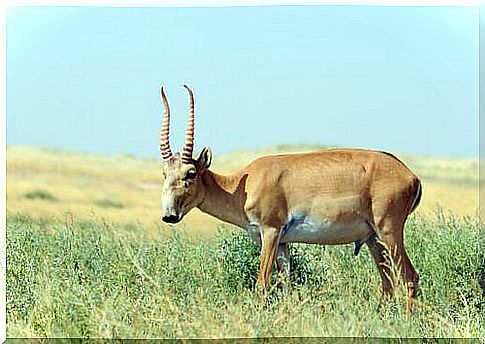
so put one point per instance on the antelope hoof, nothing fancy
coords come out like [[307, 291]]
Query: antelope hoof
[[358, 246]]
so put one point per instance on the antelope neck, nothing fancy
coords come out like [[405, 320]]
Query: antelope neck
[[224, 197]]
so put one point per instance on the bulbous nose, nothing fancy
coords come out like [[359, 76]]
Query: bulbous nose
[[170, 218]]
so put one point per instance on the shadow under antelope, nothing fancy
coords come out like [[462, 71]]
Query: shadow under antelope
[[330, 197]]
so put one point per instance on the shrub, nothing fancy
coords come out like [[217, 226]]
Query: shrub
[[239, 257], [40, 194]]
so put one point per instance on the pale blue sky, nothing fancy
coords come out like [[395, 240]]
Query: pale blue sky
[[394, 78]]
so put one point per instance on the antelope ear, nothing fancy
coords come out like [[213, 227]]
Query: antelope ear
[[205, 158]]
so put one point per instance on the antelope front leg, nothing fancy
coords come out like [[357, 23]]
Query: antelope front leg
[[270, 239]]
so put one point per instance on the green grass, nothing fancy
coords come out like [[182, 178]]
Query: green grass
[[40, 194], [91, 279]]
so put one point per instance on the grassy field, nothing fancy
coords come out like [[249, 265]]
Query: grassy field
[[87, 256], [92, 279], [126, 190]]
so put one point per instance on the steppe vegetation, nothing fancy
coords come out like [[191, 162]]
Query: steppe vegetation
[[88, 257]]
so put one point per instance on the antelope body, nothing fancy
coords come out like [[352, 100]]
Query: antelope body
[[335, 196]]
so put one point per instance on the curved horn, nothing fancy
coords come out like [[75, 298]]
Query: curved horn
[[165, 131], [189, 133]]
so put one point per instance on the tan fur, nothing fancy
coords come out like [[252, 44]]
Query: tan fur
[[343, 187], [335, 196]]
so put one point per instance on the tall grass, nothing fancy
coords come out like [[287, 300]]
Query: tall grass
[[92, 279]]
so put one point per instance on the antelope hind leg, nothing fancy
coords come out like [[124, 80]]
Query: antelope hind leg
[[283, 266]]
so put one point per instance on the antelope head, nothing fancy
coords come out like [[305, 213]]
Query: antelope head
[[182, 187]]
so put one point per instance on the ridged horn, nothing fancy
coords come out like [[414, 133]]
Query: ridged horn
[[165, 131], [189, 133]]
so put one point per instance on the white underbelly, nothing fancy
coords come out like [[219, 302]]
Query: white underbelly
[[307, 230]]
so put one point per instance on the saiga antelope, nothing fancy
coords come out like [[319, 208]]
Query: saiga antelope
[[334, 196]]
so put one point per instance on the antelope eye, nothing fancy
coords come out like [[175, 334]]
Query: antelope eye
[[191, 175]]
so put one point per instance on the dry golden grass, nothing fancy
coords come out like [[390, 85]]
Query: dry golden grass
[[125, 190]]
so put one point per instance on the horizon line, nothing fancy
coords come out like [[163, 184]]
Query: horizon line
[[276, 146]]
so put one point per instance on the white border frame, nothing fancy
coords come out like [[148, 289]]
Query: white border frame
[[150, 3]]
